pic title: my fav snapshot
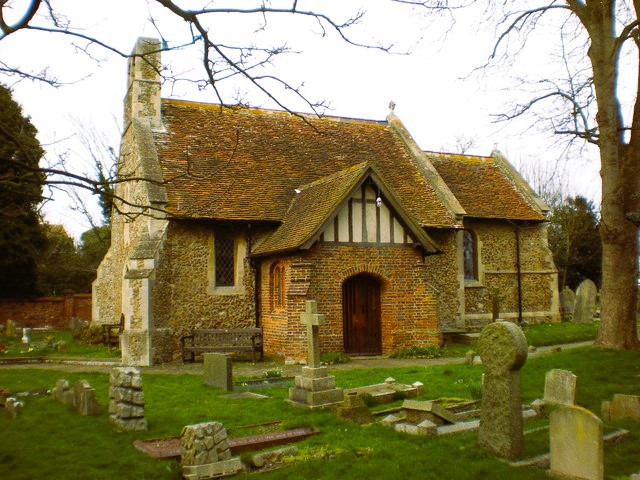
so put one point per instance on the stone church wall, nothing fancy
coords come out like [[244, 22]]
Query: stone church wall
[[498, 265]]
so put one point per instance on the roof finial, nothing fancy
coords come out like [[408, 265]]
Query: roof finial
[[392, 105]]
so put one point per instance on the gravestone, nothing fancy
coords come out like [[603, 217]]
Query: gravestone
[[622, 407], [126, 399], [218, 371], [585, 302], [85, 402], [62, 392], [577, 447], [13, 406], [567, 303], [26, 336], [560, 387], [11, 331], [205, 452], [314, 387], [75, 323], [503, 349]]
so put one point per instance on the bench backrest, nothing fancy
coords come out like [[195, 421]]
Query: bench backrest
[[232, 336]]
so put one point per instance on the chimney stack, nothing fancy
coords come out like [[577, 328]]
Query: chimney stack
[[144, 83]]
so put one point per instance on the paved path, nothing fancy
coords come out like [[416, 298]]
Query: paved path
[[246, 369]]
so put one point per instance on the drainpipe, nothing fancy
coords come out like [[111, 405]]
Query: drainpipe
[[519, 274]]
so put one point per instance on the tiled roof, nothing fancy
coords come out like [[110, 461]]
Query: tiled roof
[[313, 206], [483, 187], [244, 164]]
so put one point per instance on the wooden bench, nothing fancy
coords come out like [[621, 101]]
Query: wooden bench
[[111, 332], [222, 341]]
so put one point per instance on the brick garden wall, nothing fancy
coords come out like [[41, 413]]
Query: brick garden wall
[[46, 311]]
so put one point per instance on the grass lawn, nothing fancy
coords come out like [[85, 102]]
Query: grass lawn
[[538, 335], [49, 441], [43, 343]]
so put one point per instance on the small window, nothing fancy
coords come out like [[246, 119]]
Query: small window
[[470, 252], [277, 287], [225, 260]]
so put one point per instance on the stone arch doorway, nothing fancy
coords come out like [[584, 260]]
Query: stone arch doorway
[[362, 326]]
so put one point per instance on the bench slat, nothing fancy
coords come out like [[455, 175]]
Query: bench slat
[[222, 340]]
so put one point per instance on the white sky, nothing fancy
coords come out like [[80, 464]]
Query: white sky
[[432, 99]]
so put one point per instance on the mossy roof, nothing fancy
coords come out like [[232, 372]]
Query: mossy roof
[[244, 164], [315, 204], [487, 187]]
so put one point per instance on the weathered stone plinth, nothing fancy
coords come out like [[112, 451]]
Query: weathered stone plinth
[[146, 347], [354, 409], [315, 388], [126, 399], [205, 452]]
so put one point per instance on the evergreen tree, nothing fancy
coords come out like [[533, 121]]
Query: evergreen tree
[[574, 240], [21, 183]]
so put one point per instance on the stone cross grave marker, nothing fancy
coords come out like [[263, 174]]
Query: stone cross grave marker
[[560, 387], [218, 371], [503, 349], [577, 446], [585, 302], [312, 319]]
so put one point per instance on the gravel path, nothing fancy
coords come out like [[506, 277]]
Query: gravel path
[[247, 369]]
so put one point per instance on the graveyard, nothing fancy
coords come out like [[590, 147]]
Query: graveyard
[[46, 437]]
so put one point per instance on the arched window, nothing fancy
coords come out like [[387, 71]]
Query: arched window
[[470, 252], [277, 286]]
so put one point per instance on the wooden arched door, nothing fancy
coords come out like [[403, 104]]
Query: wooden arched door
[[362, 327]]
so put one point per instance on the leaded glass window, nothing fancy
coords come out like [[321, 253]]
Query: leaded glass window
[[470, 256], [225, 260]]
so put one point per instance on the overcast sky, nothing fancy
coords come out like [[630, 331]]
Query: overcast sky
[[435, 95]]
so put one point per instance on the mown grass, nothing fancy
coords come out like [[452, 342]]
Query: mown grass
[[49, 441], [44, 344], [538, 335]]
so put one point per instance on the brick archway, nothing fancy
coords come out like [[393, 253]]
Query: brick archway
[[374, 270]]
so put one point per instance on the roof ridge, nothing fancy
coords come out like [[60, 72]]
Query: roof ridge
[[235, 108], [451, 154]]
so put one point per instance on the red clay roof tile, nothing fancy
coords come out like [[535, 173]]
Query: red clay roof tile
[[244, 164], [482, 188]]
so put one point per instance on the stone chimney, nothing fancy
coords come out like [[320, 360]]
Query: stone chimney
[[144, 82]]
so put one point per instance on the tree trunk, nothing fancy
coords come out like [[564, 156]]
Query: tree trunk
[[619, 173]]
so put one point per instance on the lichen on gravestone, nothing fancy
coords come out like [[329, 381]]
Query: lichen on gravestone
[[503, 349]]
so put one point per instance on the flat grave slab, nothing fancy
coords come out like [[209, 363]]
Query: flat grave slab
[[170, 447]]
